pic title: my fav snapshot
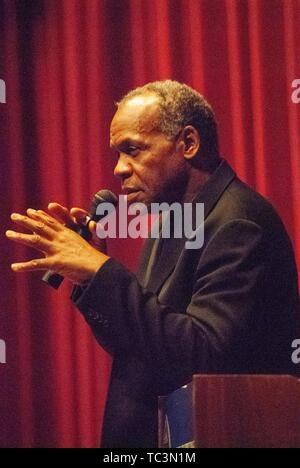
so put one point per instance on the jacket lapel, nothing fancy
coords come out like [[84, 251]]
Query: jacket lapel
[[168, 251]]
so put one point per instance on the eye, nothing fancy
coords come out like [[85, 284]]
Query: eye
[[132, 150]]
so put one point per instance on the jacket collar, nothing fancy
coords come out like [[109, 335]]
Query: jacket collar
[[167, 251]]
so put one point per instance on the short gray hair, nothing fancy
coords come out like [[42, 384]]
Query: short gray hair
[[181, 105]]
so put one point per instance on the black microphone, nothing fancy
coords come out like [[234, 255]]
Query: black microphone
[[103, 196]]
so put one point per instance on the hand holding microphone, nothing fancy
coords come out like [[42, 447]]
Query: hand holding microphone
[[62, 241], [83, 224]]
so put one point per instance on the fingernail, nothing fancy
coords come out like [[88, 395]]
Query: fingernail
[[14, 266], [15, 216], [31, 211], [9, 233]]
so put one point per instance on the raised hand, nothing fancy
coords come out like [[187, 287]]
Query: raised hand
[[65, 251], [77, 216]]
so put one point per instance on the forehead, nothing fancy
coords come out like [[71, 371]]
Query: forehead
[[135, 116]]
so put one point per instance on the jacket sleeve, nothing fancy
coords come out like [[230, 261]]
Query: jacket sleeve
[[127, 319]]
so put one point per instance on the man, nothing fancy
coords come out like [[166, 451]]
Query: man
[[227, 307]]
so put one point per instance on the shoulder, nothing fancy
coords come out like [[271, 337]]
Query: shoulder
[[240, 202]]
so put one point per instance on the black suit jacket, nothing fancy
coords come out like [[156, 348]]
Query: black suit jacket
[[228, 307]]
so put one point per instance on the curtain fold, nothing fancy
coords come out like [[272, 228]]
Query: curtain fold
[[65, 63]]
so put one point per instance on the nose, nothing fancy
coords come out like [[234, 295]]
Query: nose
[[123, 168]]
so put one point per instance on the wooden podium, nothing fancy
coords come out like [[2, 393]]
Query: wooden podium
[[242, 411]]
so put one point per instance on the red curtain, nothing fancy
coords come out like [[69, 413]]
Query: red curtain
[[64, 63]]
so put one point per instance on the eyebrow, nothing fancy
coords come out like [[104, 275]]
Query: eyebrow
[[126, 143]]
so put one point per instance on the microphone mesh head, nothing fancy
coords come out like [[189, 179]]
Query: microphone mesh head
[[106, 196], [103, 196]]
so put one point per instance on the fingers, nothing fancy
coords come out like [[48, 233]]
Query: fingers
[[98, 242], [42, 216], [33, 223], [79, 214], [61, 213], [32, 265], [31, 240], [93, 227]]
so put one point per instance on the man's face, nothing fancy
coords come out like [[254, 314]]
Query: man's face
[[151, 167]]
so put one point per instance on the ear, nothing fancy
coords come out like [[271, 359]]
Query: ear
[[191, 142]]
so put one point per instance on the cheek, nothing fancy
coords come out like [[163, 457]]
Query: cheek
[[148, 172], [157, 171]]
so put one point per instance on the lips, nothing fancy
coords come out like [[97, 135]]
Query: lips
[[129, 190], [132, 195]]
